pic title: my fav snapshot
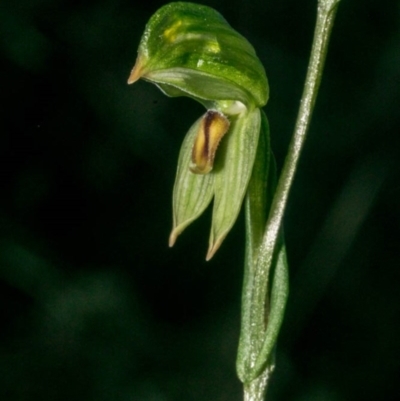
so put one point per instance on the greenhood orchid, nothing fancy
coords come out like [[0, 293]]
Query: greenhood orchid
[[190, 50]]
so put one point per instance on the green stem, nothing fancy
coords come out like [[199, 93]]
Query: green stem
[[262, 312], [325, 19], [256, 215], [257, 388]]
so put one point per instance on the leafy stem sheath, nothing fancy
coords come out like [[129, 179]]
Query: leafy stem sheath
[[265, 286]]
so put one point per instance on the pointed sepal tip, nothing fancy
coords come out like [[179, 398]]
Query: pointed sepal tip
[[137, 71], [213, 248], [172, 238]]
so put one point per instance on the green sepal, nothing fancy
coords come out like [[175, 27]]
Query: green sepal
[[232, 174], [227, 182], [203, 87], [192, 192], [194, 50]]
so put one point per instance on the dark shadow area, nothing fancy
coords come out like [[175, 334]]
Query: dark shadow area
[[94, 306]]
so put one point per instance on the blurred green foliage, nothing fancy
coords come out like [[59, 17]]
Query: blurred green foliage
[[94, 306]]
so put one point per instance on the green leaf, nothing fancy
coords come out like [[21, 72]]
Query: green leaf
[[265, 287], [256, 207], [279, 295]]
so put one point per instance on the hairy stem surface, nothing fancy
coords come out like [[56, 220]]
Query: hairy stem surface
[[265, 265]]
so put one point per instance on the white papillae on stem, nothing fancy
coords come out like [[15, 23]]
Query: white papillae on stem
[[255, 390]]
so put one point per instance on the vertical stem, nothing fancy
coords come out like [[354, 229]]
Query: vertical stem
[[257, 388], [255, 363], [325, 19]]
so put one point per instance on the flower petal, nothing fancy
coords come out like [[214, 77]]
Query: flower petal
[[192, 192], [232, 174]]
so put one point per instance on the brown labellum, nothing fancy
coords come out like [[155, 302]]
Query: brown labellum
[[213, 127]]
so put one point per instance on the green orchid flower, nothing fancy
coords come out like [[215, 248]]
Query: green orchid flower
[[190, 50]]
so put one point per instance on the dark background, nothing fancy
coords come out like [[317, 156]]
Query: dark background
[[95, 306]]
